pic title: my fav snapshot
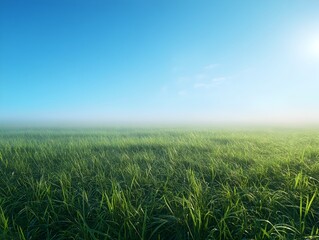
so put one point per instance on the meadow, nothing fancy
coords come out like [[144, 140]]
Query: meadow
[[125, 183]]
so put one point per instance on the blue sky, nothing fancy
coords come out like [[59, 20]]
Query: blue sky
[[159, 61]]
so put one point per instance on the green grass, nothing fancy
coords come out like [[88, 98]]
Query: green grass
[[159, 184]]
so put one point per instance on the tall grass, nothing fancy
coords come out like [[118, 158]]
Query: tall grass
[[158, 184]]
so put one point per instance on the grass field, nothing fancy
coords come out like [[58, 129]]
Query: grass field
[[159, 184]]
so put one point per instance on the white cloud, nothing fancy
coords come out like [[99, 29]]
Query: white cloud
[[183, 79], [164, 89], [219, 79], [211, 83], [182, 92], [211, 66], [200, 76], [203, 85], [204, 78]]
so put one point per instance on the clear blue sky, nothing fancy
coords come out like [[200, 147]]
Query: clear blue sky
[[159, 61]]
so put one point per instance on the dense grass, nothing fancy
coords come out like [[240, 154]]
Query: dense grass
[[159, 184]]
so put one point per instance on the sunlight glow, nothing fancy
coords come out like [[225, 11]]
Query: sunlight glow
[[313, 46]]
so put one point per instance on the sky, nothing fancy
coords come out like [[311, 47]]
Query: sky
[[135, 61]]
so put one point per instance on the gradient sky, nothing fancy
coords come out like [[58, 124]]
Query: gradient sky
[[159, 61]]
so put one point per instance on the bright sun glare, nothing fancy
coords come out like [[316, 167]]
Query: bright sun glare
[[313, 47]]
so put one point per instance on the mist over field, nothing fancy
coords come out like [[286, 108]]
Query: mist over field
[[126, 183]]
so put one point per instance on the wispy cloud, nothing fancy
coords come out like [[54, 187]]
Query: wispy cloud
[[183, 79], [200, 76], [211, 83], [182, 92], [164, 89], [219, 79], [206, 77], [211, 66], [203, 85]]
